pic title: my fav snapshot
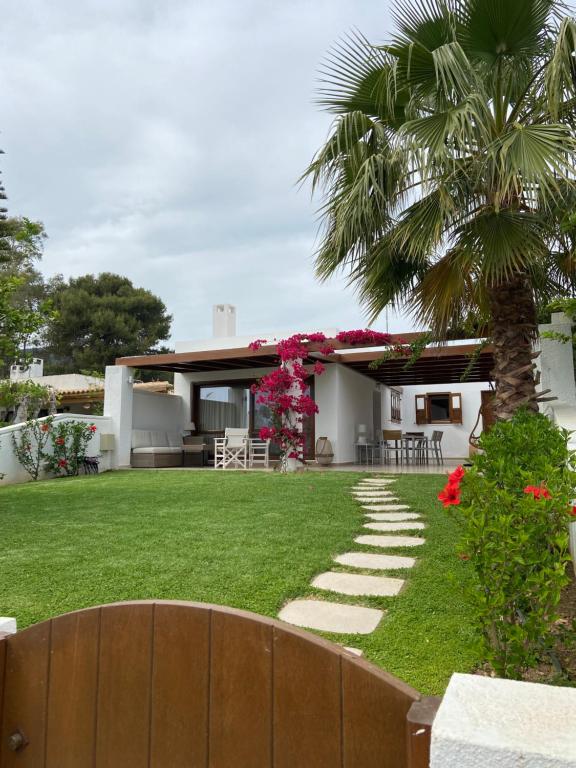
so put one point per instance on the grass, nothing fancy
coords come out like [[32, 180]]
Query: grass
[[247, 540]]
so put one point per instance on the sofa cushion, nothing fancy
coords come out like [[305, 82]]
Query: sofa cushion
[[141, 438], [158, 437], [157, 449], [174, 439]]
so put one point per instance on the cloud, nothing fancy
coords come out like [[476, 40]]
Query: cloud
[[162, 139]]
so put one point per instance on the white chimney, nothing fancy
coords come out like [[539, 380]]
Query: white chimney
[[21, 371], [223, 320]]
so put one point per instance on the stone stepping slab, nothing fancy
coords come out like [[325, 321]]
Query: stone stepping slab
[[353, 651], [398, 526], [392, 517], [376, 500], [374, 562], [378, 482], [390, 541], [372, 491], [385, 507], [373, 494], [331, 617], [358, 584]]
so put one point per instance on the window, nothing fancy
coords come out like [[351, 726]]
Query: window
[[439, 408], [218, 405], [395, 405]]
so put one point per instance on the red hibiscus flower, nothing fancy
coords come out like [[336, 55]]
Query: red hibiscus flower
[[450, 495], [62, 463], [456, 477], [59, 441], [92, 427], [45, 427], [573, 511], [538, 491]]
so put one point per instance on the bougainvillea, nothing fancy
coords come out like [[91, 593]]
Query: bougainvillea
[[284, 391]]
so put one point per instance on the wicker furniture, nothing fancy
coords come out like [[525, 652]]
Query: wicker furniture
[[155, 449]]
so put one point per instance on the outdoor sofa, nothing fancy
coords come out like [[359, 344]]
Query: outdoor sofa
[[154, 448]]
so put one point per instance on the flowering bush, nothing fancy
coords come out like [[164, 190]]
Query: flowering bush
[[283, 391], [29, 444], [513, 505], [69, 443]]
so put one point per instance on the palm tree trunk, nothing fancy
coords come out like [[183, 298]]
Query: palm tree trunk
[[514, 330]]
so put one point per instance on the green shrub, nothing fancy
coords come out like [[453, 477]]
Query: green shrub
[[29, 443], [69, 443], [514, 506]]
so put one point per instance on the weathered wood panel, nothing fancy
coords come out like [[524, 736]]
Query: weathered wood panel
[[307, 702], [180, 675], [124, 686], [25, 695], [72, 690], [240, 692]]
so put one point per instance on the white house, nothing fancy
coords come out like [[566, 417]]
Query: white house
[[212, 379]]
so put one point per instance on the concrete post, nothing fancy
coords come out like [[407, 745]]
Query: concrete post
[[118, 397], [484, 722], [556, 361]]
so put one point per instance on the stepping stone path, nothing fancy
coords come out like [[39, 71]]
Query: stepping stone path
[[331, 617], [374, 562], [373, 495], [398, 526]]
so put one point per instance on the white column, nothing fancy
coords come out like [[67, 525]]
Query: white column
[[118, 396], [484, 722], [556, 361]]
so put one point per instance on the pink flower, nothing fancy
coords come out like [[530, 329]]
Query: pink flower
[[319, 368], [92, 427]]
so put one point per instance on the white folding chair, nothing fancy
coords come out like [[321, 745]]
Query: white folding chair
[[232, 449], [259, 452]]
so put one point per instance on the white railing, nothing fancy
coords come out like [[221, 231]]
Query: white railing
[[12, 470]]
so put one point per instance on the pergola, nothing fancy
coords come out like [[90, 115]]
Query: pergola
[[444, 364]]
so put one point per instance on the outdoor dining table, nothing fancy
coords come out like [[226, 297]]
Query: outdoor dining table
[[409, 443]]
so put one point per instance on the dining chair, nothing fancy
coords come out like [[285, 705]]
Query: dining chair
[[232, 449], [435, 444], [390, 436]]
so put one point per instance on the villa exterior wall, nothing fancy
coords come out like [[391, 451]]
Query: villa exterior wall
[[345, 400]]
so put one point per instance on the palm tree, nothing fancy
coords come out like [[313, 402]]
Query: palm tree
[[448, 179]]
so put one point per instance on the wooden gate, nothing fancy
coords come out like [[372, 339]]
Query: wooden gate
[[178, 685]]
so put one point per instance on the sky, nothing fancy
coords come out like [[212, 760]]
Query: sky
[[163, 140]]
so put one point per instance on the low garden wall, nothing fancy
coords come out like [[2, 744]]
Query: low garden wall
[[11, 470]]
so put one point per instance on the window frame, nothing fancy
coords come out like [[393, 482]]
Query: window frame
[[423, 408], [395, 406]]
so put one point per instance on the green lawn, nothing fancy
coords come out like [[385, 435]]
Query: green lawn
[[249, 540]]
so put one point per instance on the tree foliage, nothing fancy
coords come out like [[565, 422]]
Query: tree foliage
[[448, 177], [102, 317]]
